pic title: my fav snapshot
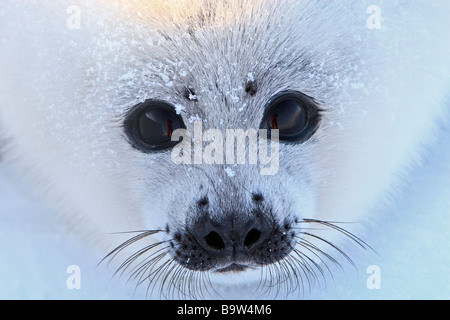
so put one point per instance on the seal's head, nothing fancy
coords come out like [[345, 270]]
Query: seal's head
[[234, 135], [229, 140]]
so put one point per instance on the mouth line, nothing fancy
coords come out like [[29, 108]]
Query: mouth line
[[233, 267]]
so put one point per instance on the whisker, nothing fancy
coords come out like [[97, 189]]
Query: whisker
[[308, 268], [290, 276], [333, 225], [153, 281], [211, 286], [292, 264], [135, 231], [125, 244], [308, 263], [145, 267], [304, 262], [316, 251], [176, 280], [332, 245], [127, 263], [166, 277]]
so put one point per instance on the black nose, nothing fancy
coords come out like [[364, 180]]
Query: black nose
[[233, 237], [232, 241]]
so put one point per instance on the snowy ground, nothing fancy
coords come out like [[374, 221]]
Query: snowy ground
[[412, 242]]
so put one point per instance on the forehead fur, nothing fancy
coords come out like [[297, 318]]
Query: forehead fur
[[165, 47]]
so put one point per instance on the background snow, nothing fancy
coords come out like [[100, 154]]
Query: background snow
[[412, 242]]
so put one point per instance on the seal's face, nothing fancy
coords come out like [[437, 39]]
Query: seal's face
[[226, 215], [223, 208]]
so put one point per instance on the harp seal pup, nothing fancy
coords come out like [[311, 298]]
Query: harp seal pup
[[84, 84]]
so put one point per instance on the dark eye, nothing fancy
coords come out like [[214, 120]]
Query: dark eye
[[150, 126], [294, 114]]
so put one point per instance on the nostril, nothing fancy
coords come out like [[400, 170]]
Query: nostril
[[215, 241], [252, 238], [203, 202], [257, 197]]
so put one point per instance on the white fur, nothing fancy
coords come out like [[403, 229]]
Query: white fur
[[63, 93]]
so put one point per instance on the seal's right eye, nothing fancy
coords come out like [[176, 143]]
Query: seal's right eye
[[150, 125]]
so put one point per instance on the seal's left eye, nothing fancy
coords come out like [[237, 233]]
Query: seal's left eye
[[294, 114], [150, 125]]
